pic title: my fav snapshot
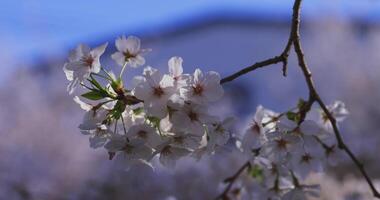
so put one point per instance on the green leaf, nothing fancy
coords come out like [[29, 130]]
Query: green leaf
[[93, 95], [291, 115], [138, 111], [257, 173], [95, 83], [118, 110], [301, 103]]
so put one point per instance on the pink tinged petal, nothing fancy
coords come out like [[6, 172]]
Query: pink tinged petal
[[68, 73], [196, 128], [96, 142], [80, 51], [143, 152], [153, 76], [180, 121], [72, 85], [121, 44], [170, 154], [165, 124], [116, 143], [96, 66], [83, 49], [118, 58], [213, 92], [175, 66], [137, 80], [143, 91], [167, 81], [146, 133], [186, 92], [136, 61], [133, 44], [73, 66], [83, 105], [309, 127], [251, 140], [98, 51], [198, 76], [157, 109]]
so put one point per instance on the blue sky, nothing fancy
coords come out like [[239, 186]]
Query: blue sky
[[32, 28]]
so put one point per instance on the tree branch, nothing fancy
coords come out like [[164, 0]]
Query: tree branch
[[294, 39], [314, 96], [231, 180]]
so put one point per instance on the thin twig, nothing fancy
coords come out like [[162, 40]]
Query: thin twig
[[231, 180], [294, 39], [314, 96]]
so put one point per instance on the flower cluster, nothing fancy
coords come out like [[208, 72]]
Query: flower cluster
[[163, 115], [283, 150]]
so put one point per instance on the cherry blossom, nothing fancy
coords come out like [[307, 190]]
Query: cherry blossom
[[166, 116], [129, 51], [203, 88], [155, 90], [82, 62]]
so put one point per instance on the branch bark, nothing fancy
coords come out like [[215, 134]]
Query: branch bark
[[231, 180], [294, 40]]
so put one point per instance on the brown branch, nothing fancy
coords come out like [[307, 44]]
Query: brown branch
[[255, 66], [231, 180], [294, 39], [283, 57], [314, 96]]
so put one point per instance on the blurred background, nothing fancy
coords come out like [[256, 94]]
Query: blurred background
[[44, 156]]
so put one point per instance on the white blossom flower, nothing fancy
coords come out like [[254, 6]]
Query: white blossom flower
[[170, 154], [265, 118], [93, 118], [192, 117], [308, 130], [280, 145], [146, 133], [203, 88], [98, 136], [304, 163], [82, 62], [176, 72], [303, 192], [187, 141], [332, 153], [338, 110], [219, 132], [155, 90], [129, 50], [254, 136], [133, 149]]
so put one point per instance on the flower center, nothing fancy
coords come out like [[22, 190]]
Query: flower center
[[142, 134], [158, 91], [329, 150], [128, 149], [193, 116], [128, 55], [306, 158], [178, 140], [282, 144], [166, 150], [255, 128], [219, 128], [88, 60], [198, 90]]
